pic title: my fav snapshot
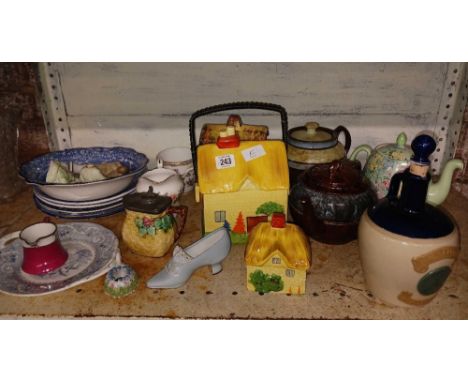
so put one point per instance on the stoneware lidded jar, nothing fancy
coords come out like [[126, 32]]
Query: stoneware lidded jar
[[328, 201], [312, 144], [148, 228], [383, 162], [407, 246]]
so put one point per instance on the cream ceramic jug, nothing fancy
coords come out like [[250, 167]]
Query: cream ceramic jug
[[163, 181]]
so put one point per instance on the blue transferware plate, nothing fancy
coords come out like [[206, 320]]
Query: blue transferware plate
[[92, 251], [76, 209], [83, 214]]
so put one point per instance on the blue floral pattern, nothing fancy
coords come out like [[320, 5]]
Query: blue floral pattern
[[35, 171]]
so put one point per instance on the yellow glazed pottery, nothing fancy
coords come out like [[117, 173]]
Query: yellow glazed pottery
[[239, 184], [277, 257], [148, 229]]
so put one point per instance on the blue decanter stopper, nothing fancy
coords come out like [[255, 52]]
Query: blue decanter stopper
[[423, 146]]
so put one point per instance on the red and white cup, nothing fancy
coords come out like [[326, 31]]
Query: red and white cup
[[42, 250]]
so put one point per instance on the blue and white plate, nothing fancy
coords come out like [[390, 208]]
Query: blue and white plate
[[79, 214]]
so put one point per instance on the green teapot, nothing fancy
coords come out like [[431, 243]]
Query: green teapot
[[387, 159]]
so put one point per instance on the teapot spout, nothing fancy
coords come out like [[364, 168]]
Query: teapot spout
[[437, 192]]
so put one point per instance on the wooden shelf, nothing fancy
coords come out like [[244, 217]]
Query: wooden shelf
[[335, 285]]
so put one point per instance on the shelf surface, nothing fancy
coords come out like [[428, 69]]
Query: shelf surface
[[335, 286]]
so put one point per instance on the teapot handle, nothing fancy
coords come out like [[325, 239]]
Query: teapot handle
[[395, 182], [180, 215], [365, 148], [341, 129]]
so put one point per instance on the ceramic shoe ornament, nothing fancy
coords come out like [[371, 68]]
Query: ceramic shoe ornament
[[277, 257], [407, 246], [210, 251]]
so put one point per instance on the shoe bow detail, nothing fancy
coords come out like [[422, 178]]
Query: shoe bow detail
[[179, 258]]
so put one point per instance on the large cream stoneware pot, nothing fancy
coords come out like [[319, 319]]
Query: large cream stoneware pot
[[398, 269], [408, 246]]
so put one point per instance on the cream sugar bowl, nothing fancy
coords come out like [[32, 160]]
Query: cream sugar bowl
[[179, 159]]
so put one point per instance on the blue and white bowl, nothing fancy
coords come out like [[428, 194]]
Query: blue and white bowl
[[34, 172]]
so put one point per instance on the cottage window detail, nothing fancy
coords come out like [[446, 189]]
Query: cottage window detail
[[290, 272], [220, 216], [276, 260]]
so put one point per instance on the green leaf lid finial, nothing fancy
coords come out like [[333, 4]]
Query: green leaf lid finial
[[401, 140]]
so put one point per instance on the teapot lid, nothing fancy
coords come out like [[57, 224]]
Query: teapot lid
[[342, 176], [398, 150], [312, 136], [147, 202]]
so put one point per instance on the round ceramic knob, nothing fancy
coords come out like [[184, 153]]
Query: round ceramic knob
[[401, 140], [423, 146], [230, 131], [312, 128]]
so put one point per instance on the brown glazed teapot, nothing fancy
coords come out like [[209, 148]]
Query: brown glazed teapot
[[328, 201]]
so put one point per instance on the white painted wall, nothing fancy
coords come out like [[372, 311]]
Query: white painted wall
[[148, 105]]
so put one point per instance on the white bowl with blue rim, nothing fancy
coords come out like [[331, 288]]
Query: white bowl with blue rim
[[34, 172]]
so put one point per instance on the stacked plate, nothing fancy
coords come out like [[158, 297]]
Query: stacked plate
[[81, 209]]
